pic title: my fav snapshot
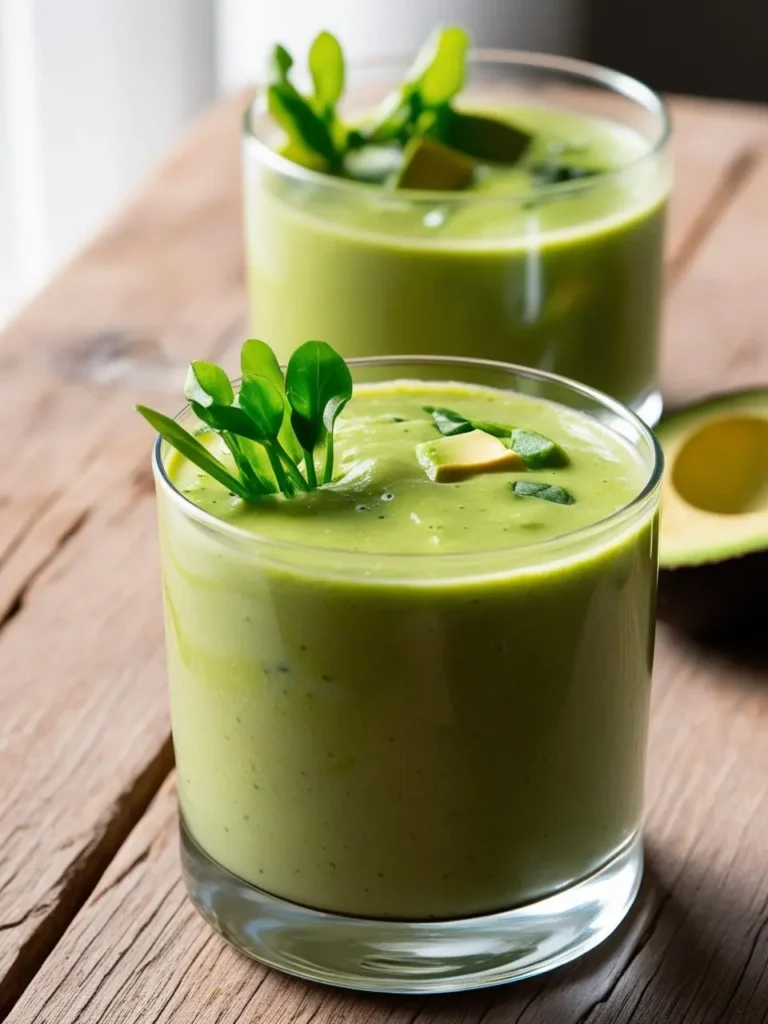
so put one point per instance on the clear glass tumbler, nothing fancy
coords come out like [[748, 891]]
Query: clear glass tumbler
[[565, 278], [388, 779]]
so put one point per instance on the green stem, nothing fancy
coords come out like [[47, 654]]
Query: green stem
[[328, 469], [309, 464], [296, 478], [283, 482], [252, 483]]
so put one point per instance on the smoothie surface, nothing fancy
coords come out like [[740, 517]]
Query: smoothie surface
[[586, 144], [383, 502]]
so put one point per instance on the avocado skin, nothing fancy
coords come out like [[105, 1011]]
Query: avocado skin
[[717, 598]]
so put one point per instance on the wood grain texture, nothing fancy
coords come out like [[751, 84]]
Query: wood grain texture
[[82, 701], [84, 726]]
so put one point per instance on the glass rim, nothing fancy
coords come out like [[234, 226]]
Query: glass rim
[[617, 82], [592, 531]]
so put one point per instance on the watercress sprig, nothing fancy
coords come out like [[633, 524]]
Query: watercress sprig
[[420, 109], [272, 425]]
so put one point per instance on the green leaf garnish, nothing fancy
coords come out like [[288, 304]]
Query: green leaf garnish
[[281, 63], [271, 426], [554, 171], [447, 421], [258, 360], [264, 406], [547, 492], [207, 384], [439, 70], [326, 66], [537, 451], [303, 126], [418, 110], [191, 449], [318, 385]]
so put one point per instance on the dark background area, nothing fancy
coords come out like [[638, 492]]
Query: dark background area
[[700, 47]]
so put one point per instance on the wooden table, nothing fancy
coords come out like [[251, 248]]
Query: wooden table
[[94, 924]]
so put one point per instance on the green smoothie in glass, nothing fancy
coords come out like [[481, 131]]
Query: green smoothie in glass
[[549, 254], [418, 692]]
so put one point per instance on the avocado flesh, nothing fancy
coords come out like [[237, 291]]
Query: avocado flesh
[[715, 492], [713, 545], [458, 456], [430, 165]]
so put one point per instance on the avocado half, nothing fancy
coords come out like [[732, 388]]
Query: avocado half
[[713, 547]]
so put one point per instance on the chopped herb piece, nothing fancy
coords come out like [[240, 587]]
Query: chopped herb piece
[[554, 172], [547, 492], [447, 421], [537, 451]]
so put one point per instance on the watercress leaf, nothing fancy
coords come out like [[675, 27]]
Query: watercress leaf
[[255, 474], [547, 492], [258, 360], [390, 121], [316, 376], [227, 419], [537, 451], [298, 153], [308, 432], [300, 122], [191, 449], [440, 66], [447, 421], [484, 138], [334, 407], [207, 384], [281, 63], [326, 66], [265, 406]]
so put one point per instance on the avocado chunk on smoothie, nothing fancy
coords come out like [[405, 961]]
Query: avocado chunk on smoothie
[[467, 454], [395, 697], [549, 255]]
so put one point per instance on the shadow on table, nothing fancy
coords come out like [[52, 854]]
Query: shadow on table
[[679, 956]]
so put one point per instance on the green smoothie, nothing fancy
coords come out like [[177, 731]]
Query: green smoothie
[[516, 266], [396, 697]]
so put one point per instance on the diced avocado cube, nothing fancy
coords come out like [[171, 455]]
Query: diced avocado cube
[[459, 456], [428, 164]]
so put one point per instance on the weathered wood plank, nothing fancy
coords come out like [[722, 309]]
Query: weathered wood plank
[[714, 146], [81, 681], [84, 727], [715, 325]]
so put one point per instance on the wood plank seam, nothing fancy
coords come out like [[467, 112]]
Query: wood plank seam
[[14, 602], [82, 875], [733, 179]]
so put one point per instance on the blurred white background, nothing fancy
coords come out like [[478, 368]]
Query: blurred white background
[[94, 92]]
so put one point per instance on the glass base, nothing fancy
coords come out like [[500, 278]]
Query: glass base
[[408, 956], [649, 408]]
